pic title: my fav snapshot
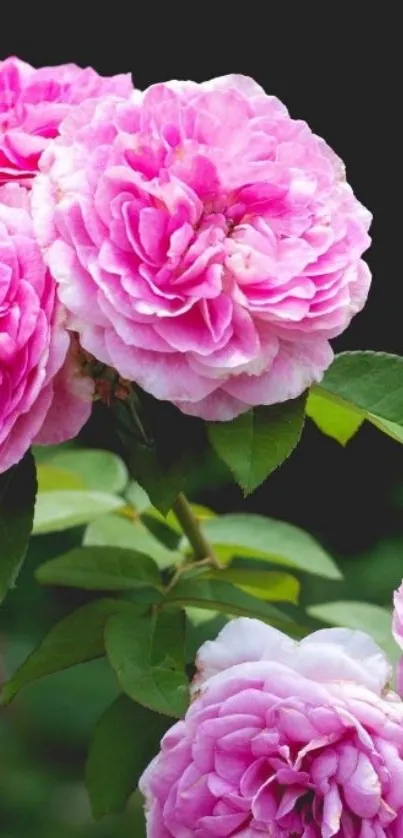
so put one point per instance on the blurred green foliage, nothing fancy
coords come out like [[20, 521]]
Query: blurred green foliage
[[44, 734]]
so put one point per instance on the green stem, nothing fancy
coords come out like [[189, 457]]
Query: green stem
[[190, 525]]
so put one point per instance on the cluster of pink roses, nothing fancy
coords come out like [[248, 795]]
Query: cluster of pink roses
[[194, 237], [284, 739], [42, 396]]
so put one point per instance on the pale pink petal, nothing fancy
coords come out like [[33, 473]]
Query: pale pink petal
[[242, 640], [284, 739], [399, 677], [166, 377], [42, 398], [70, 407], [217, 407], [295, 367], [25, 427], [33, 105], [343, 654], [204, 241], [397, 624]]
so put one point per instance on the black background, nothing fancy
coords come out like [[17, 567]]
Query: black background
[[339, 73]]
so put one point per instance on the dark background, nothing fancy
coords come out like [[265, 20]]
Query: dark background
[[338, 67], [342, 74], [338, 73]]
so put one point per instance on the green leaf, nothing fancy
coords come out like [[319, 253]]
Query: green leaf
[[77, 638], [98, 470], [201, 513], [17, 501], [148, 656], [335, 419], [126, 738], [137, 497], [62, 510], [50, 479], [217, 595], [267, 539], [257, 442], [112, 530], [370, 381], [266, 584], [100, 569], [372, 619], [358, 386], [162, 447], [162, 485], [389, 428], [44, 453], [199, 616]]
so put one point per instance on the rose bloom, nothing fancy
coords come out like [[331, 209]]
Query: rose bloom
[[397, 628], [33, 104], [206, 245], [284, 739], [43, 398]]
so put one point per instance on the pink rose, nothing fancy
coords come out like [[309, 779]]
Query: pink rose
[[397, 629], [284, 739], [33, 104], [42, 396], [397, 624], [206, 245]]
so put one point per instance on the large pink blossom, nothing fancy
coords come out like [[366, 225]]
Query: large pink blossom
[[206, 245], [284, 739], [34, 102], [43, 398], [397, 628]]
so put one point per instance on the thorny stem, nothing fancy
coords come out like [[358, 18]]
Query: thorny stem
[[202, 550]]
